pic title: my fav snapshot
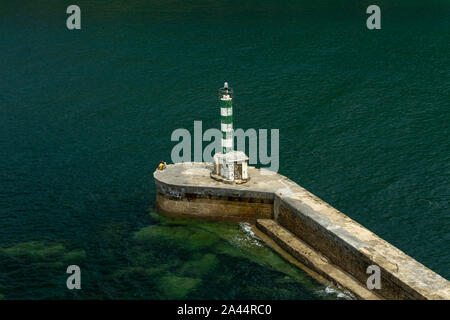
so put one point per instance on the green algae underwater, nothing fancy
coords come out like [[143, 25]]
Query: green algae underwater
[[169, 259]]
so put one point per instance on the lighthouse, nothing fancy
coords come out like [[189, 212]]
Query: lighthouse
[[226, 118], [229, 165]]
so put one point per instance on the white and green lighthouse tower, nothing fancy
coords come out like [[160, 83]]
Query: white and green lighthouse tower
[[226, 117], [229, 165]]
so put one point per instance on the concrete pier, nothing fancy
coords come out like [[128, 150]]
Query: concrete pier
[[313, 232]]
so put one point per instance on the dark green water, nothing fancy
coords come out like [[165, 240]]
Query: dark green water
[[85, 117]]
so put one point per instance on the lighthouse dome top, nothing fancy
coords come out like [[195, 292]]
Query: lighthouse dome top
[[226, 90]]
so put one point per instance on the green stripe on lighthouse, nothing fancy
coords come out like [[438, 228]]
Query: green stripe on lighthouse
[[226, 118], [226, 104]]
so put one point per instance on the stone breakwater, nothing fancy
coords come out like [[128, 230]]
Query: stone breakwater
[[300, 224]]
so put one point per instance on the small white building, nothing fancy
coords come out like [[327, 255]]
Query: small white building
[[231, 166]]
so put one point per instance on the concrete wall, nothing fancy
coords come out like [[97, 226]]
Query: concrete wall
[[223, 204], [353, 248], [341, 252], [189, 192], [215, 207]]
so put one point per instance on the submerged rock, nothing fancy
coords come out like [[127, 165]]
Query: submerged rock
[[201, 266], [41, 252], [175, 287], [188, 237]]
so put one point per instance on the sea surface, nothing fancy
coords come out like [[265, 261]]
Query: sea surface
[[86, 116]]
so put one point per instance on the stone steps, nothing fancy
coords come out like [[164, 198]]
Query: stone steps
[[313, 259]]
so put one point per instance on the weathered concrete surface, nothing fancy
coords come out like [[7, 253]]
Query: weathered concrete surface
[[187, 190], [313, 259], [214, 207]]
